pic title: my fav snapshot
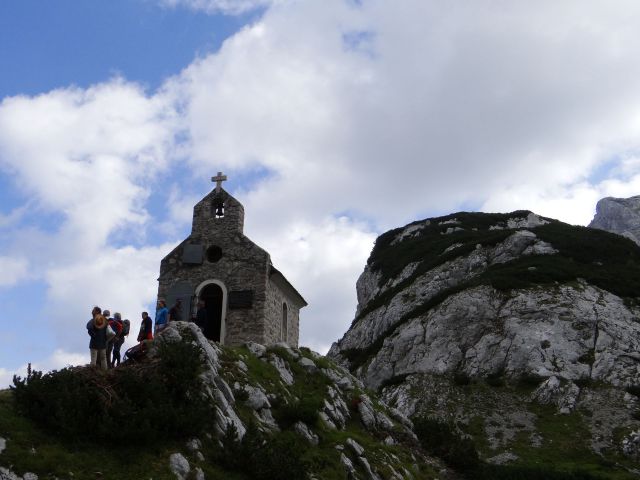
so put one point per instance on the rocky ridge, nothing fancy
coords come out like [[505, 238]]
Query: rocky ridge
[[619, 215], [449, 307]]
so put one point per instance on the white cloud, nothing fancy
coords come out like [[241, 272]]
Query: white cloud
[[57, 360], [84, 152], [12, 270], [322, 260], [449, 106], [6, 377], [230, 7], [87, 158]]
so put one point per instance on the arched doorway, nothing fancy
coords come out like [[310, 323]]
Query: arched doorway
[[213, 294]]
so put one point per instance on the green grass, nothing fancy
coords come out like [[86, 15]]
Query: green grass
[[565, 445]]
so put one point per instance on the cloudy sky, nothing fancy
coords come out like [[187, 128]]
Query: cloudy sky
[[334, 120]]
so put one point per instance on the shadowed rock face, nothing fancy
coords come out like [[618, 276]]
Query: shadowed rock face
[[619, 215], [507, 309]]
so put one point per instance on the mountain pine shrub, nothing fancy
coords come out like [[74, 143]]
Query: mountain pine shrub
[[151, 401]]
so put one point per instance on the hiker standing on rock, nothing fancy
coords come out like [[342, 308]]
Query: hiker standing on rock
[[162, 316], [122, 330], [146, 328], [114, 326], [175, 314], [97, 330]]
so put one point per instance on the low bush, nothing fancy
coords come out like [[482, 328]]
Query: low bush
[[505, 472], [305, 410], [461, 379], [149, 401], [633, 390], [438, 438], [530, 380], [496, 379], [264, 457]]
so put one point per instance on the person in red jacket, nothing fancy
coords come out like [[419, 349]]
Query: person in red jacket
[[116, 325]]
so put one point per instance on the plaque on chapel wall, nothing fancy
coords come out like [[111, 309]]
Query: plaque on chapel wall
[[241, 299], [192, 254]]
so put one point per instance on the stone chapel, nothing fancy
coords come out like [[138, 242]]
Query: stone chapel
[[245, 296]]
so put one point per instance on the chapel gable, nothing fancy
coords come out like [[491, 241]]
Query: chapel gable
[[227, 281]]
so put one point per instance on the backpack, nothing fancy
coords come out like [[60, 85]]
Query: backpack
[[116, 325], [126, 326]]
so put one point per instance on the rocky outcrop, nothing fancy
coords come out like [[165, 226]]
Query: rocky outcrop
[[242, 394], [572, 331], [504, 300], [619, 215]]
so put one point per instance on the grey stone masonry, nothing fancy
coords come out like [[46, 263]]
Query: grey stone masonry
[[217, 263]]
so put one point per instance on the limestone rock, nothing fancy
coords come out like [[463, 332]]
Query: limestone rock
[[6, 474], [194, 445], [288, 348], [373, 420], [257, 399], [305, 432], [631, 445], [283, 369], [256, 349], [3, 444], [179, 466], [355, 447], [242, 366], [503, 458], [265, 417], [371, 475], [541, 332], [348, 465], [327, 421], [308, 364], [553, 391], [619, 215]]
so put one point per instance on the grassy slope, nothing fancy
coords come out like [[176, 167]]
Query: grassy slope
[[150, 460], [31, 450], [325, 458], [565, 439]]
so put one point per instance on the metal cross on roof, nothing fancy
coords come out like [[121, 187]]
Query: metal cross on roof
[[219, 179]]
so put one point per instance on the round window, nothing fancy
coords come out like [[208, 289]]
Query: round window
[[214, 253]]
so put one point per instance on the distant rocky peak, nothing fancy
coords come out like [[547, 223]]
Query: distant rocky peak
[[619, 215]]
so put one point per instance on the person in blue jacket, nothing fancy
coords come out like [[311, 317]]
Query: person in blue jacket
[[162, 316]]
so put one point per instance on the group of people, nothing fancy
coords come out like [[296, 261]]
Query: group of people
[[107, 336], [108, 333]]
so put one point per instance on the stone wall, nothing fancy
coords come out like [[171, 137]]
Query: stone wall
[[276, 298], [243, 266], [204, 222]]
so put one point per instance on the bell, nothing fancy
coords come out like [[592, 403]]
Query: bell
[[220, 210]]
